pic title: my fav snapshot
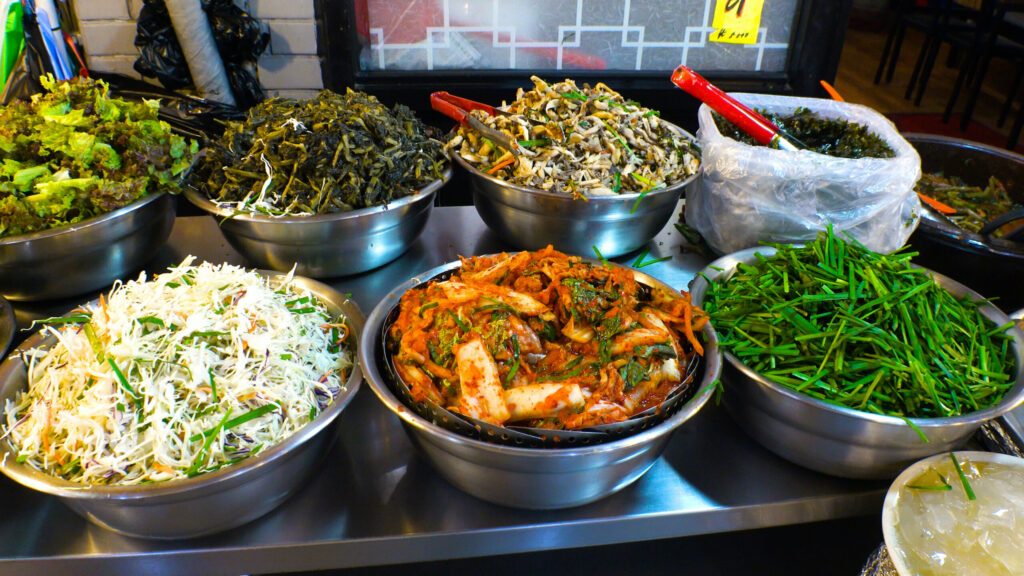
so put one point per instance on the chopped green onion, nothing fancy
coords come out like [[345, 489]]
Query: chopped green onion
[[599, 255], [944, 488], [963, 478], [638, 200], [213, 386], [640, 263], [94, 341], [121, 379], [426, 307], [229, 424], [459, 321], [81, 318], [916, 428], [515, 361]]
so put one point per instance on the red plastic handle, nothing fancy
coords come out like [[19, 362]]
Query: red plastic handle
[[455, 107], [754, 124]]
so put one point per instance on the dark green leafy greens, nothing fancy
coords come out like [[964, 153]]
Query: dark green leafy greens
[[333, 153], [827, 136], [868, 331], [974, 205], [75, 152]]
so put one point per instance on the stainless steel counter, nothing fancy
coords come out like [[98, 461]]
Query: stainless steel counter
[[375, 501]]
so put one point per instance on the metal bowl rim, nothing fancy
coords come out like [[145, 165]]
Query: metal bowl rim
[[1011, 400], [672, 188], [374, 324], [84, 224], [892, 495], [49, 484], [6, 317], [201, 201]]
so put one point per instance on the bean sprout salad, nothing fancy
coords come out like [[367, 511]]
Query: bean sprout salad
[[587, 141]]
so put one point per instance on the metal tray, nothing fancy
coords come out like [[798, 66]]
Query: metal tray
[[376, 501]]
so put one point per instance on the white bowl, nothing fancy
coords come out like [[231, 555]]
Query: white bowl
[[915, 470]]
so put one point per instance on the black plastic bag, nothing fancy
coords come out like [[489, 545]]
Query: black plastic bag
[[160, 54], [244, 85], [240, 41], [239, 36]]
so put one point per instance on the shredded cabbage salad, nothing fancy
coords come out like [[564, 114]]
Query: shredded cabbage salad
[[198, 368]]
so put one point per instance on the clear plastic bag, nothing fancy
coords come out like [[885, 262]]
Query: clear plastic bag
[[747, 194]]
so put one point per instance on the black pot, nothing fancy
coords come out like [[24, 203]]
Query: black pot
[[991, 266]]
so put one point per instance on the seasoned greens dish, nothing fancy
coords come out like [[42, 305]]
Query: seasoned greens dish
[[840, 323], [75, 152], [586, 141], [828, 136], [184, 373], [969, 207], [546, 339], [333, 153]]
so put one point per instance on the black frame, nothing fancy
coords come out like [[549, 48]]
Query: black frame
[[815, 47]]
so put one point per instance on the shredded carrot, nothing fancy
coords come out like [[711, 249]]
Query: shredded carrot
[[688, 330], [506, 162], [941, 207]]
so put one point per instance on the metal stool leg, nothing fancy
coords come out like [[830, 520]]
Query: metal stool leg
[[926, 72], [1012, 95], [917, 68]]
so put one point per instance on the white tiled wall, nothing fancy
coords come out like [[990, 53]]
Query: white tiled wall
[[289, 67]]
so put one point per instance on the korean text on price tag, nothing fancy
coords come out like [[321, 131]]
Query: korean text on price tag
[[736, 21]]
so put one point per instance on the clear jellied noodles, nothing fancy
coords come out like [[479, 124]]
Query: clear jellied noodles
[[943, 532], [192, 370]]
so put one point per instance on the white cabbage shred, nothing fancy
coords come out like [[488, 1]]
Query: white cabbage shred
[[218, 363]]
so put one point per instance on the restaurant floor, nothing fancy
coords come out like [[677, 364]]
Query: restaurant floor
[[862, 50]]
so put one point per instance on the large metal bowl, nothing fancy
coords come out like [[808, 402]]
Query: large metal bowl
[[834, 439], [531, 218], [535, 478], [992, 266], [327, 245], [210, 502], [86, 256]]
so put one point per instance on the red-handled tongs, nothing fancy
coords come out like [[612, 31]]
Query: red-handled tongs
[[757, 126], [459, 109]]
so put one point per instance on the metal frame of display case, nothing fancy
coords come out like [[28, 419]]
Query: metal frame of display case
[[814, 49]]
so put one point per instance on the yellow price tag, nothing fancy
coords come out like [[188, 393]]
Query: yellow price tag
[[736, 21]]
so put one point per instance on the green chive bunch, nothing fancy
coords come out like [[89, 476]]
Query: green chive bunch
[[868, 331]]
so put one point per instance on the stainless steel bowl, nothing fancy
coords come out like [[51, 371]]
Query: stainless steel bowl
[[8, 326], [327, 245], [834, 439], [208, 503], [535, 478], [531, 218], [85, 256]]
